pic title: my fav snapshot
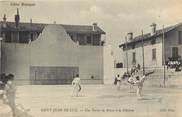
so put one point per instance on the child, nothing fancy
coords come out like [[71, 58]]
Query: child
[[77, 85]]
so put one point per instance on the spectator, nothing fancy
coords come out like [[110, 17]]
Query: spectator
[[10, 92]]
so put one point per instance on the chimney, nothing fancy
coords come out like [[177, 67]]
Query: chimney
[[4, 21], [130, 36], [94, 25], [153, 28], [17, 18]]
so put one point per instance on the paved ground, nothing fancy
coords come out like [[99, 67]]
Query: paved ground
[[99, 100]]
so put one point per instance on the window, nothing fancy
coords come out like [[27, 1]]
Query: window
[[133, 46], [15, 36], [180, 37], [134, 58], [8, 36], [31, 36], [153, 41], [153, 54], [89, 41], [71, 36], [38, 33], [119, 65], [96, 39], [23, 37], [174, 52], [81, 39]]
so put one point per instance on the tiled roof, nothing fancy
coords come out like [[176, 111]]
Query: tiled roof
[[39, 27], [149, 36], [82, 28], [24, 26]]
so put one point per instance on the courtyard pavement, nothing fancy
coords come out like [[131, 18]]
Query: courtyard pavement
[[99, 100]]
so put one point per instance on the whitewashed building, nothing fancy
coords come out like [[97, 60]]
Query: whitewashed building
[[153, 46]]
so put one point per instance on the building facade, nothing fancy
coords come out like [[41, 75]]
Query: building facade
[[51, 53], [152, 45]]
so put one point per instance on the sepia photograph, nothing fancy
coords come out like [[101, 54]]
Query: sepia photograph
[[90, 58]]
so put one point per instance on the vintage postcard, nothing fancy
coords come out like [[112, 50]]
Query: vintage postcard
[[90, 58]]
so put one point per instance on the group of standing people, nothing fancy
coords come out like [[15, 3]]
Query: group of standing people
[[174, 65]]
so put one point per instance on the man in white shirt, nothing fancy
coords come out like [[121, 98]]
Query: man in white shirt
[[118, 78], [139, 82], [10, 90], [131, 80], [77, 85]]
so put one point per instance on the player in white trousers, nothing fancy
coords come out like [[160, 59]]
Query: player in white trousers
[[118, 82], [139, 82], [77, 86]]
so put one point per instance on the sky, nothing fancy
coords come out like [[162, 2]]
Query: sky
[[115, 17]]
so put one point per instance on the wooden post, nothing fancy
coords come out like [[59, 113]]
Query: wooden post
[[143, 54], [126, 53], [163, 52], [1, 40]]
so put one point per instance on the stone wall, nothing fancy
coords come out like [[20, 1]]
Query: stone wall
[[147, 54], [171, 40], [53, 48]]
